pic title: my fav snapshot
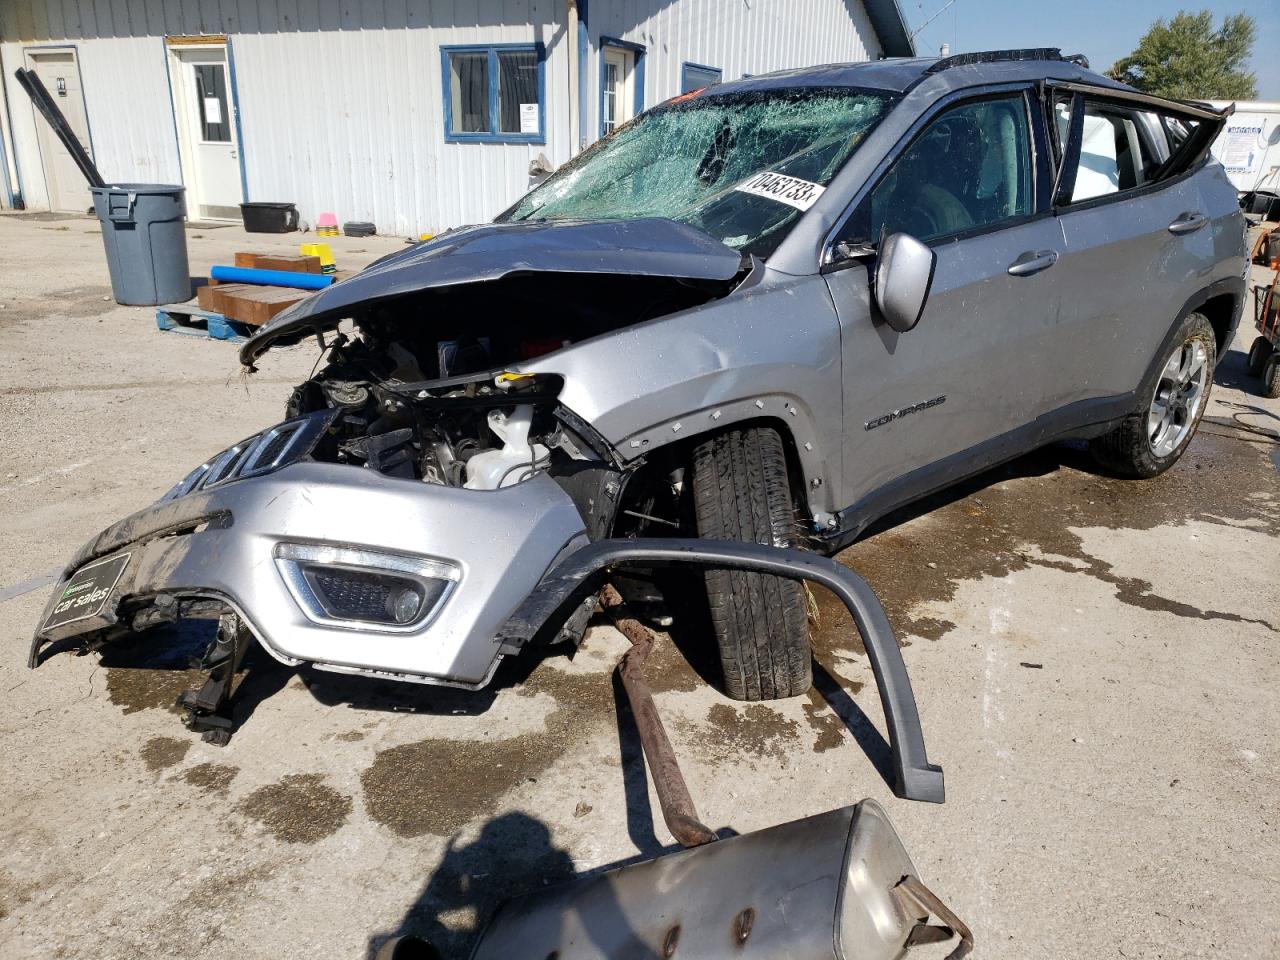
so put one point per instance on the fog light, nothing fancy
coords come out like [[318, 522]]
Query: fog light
[[404, 605], [348, 587]]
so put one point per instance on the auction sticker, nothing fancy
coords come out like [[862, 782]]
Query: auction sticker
[[792, 191], [86, 593]]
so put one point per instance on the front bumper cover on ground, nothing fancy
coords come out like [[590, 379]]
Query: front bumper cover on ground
[[220, 544], [521, 556]]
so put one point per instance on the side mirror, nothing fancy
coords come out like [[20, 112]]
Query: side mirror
[[903, 277]]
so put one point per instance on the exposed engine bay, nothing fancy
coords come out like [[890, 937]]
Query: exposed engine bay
[[428, 474], [443, 401]]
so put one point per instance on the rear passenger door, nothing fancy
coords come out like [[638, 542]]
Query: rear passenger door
[[1137, 234]]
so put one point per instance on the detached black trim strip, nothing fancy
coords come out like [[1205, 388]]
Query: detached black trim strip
[[915, 777]]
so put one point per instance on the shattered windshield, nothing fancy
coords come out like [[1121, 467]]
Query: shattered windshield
[[740, 167]]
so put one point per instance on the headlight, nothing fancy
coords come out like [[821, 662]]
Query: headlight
[[350, 587]]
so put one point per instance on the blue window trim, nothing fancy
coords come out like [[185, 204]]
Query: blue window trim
[[235, 113], [584, 44], [493, 136], [684, 73], [637, 76]]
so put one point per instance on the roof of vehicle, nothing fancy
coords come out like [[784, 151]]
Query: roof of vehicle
[[900, 74]]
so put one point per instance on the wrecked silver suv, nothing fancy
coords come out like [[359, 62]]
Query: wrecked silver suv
[[770, 311]]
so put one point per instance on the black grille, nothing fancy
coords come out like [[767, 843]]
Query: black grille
[[253, 456], [356, 595], [275, 446]]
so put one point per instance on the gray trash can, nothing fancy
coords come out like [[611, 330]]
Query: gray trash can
[[146, 244]]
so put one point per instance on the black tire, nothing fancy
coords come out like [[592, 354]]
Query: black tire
[[1271, 377], [1127, 450], [741, 492], [1259, 353]]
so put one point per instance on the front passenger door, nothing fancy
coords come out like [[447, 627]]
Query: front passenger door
[[923, 408]]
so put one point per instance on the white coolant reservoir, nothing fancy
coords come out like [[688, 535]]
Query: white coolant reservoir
[[517, 460]]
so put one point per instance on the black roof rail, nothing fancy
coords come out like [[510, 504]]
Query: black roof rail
[[999, 56]]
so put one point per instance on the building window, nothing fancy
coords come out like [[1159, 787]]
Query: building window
[[211, 95], [494, 94], [695, 76], [621, 82]]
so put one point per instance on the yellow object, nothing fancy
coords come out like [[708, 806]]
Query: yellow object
[[426, 236], [323, 251], [511, 377]]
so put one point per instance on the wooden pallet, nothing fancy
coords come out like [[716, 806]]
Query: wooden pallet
[[194, 322]]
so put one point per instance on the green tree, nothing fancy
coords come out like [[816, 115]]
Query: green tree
[[1186, 58]]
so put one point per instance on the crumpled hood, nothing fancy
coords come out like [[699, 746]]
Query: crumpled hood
[[654, 247]]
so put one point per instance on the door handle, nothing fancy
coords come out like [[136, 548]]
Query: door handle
[[1188, 223], [1033, 261]]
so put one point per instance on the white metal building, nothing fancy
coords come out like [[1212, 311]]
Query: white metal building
[[414, 114]]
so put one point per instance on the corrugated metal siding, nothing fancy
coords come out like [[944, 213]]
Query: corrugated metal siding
[[738, 38], [340, 100], [347, 114]]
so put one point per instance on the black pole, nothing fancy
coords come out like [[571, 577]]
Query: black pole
[[49, 109]]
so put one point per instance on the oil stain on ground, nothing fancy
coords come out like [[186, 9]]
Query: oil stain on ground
[[439, 785], [826, 723], [148, 689], [149, 670], [160, 753], [214, 777], [300, 808], [754, 730], [985, 527]]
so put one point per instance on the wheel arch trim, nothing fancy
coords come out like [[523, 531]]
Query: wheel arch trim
[[789, 414], [914, 777]]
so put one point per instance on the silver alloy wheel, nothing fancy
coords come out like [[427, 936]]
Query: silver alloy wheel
[[1178, 398]]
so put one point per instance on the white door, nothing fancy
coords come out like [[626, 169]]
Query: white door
[[59, 71], [206, 131], [618, 89]]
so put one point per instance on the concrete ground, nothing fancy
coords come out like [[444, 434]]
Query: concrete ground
[[1097, 666]]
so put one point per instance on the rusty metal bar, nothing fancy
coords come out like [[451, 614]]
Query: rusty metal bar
[[913, 887], [678, 811]]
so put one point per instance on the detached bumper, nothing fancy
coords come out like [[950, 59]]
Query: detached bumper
[[221, 544]]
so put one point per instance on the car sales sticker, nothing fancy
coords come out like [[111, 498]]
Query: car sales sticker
[[792, 191], [87, 591]]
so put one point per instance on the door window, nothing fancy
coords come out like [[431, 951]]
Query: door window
[[1114, 152], [211, 97], [617, 98], [970, 168]]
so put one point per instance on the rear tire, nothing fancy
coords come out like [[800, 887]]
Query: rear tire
[[1271, 377], [1174, 395], [741, 492], [1259, 353]]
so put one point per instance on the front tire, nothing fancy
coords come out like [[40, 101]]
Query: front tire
[[1174, 396], [741, 492]]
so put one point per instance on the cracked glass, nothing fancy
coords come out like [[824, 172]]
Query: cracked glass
[[686, 160]]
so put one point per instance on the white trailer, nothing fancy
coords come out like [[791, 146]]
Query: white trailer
[[1249, 145]]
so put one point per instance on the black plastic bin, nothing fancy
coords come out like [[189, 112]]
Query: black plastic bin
[[269, 217]]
